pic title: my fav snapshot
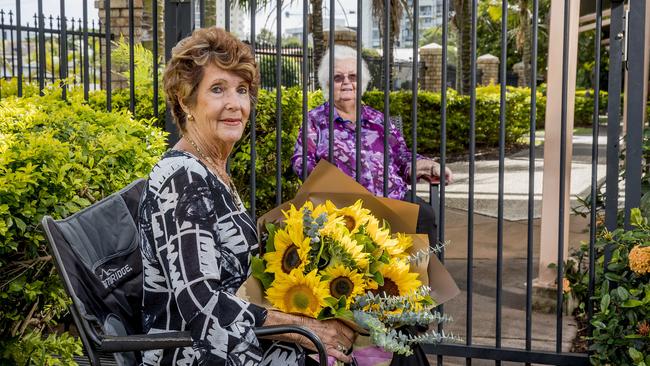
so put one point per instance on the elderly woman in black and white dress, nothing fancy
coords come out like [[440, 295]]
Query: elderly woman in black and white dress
[[197, 239]]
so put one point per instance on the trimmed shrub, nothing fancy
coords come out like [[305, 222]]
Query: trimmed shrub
[[56, 157]]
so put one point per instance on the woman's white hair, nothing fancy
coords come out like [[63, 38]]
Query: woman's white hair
[[341, 53]]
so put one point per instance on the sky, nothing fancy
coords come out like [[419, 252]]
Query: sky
[[73, 8], [265, 18]]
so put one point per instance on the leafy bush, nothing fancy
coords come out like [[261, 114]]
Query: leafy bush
[[56, 157], [621, 328], [584, 107], [458, 108]]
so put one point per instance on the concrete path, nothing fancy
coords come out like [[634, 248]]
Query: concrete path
[[515, 243]]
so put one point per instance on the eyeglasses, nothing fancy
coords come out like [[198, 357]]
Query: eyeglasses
[[339, 78]]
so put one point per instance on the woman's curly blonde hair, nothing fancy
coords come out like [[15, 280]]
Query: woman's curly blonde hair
[[191, 55]]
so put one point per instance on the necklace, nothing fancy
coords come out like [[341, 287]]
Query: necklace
[[224, 177]]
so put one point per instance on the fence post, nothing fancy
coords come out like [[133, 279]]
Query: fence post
[[178, 25]]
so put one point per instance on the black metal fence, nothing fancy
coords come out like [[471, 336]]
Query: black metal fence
[[36, 44], [291, 60], [20, 52]]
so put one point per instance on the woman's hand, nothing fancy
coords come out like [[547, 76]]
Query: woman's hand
[[430, 170], [337, 338]]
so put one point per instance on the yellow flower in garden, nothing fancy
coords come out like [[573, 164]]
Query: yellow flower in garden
[[345, 281], [291, 251], [398, 280], [353, 216], [640, 259], [298, 293]]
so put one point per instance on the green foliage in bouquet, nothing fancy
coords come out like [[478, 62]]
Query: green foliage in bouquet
[[621, 326], [328, 262], [56, 157]]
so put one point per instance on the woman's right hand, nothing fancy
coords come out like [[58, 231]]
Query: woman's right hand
[[337, 338]]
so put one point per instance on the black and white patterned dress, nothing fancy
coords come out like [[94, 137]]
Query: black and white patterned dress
[[196, 245]]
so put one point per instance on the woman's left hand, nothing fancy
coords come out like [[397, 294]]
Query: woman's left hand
[[430, 170]]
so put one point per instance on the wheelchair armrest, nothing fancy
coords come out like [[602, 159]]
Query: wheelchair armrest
[[143, 342], [281, 329]]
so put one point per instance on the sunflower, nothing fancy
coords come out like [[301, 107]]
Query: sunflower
[[398, 280], [353, 251], [353, 216], [298, 293], [403, 243], [379, 235], [344, 281], [291, 251]]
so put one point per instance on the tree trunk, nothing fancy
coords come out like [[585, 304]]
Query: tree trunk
[[317, 33], [462, 22], [211, 13]]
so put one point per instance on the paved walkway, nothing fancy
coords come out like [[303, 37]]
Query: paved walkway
[[514, 248]]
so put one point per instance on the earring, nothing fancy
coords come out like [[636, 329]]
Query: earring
[[189, 117]]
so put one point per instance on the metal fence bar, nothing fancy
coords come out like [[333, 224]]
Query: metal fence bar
[[11, 44], [52, 49], [509, 354], [470, 193], [107, 25], [154, 47], [594, 165], [19, 49], [502, 153], [615, 79], [357, 137], [41, 47], [253, 5], [94, 57], [443, 146], [635, 107], [202, 13], [74, 53], [4, 55], [63, 47], [29, 56], [226, 13], [530, 240], [86, 74], [305, 76], [562, 208], [278, 104], [414, 102], [330, 39], [131, 59], [387, 58], [101, 55]]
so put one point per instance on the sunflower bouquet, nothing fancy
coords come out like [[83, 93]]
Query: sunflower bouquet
[[325, 262]]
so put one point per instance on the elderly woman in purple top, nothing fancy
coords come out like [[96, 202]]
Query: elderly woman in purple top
[[345, 86]]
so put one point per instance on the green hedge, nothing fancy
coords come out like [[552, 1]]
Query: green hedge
[[56, 157]]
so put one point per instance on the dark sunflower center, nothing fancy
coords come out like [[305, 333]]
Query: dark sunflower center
[[349, 222], [389, 288], [341, 286], [290, 259]]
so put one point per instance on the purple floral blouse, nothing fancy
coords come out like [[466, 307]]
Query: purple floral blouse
[[372, 150]]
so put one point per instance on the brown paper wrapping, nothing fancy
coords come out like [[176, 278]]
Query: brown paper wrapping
[[326, 182]]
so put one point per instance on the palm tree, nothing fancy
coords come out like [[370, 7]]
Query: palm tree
[[462, 21], [317, 32], [397, 8]]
